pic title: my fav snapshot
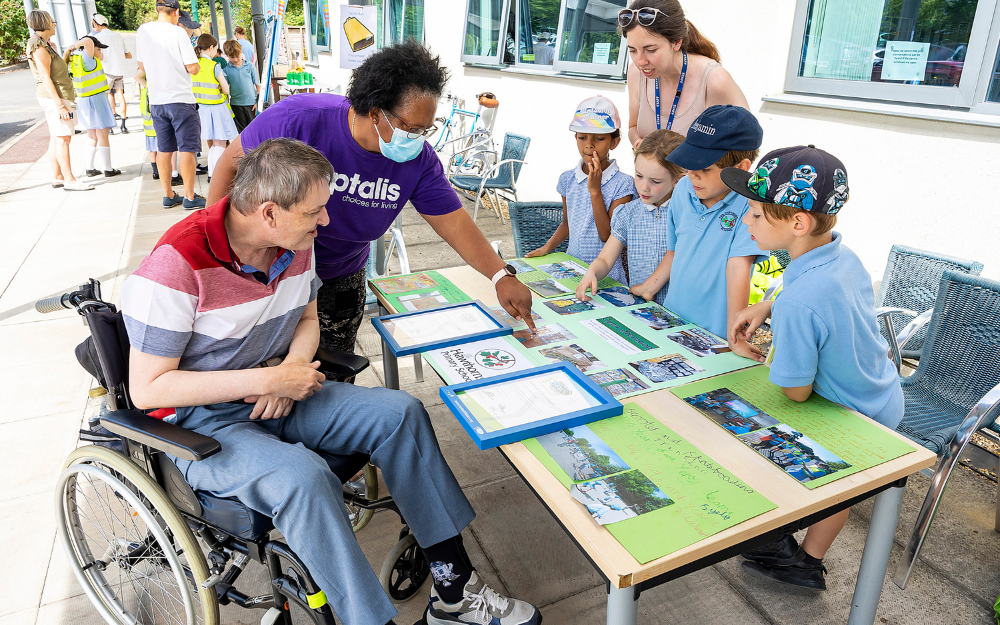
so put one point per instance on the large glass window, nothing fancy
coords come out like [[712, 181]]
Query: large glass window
[[486, 22], [318, 12], [993, 95], [919, 51], [537, 26], [589, 40], [399, 21]]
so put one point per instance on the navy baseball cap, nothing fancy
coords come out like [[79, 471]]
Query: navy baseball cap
[[802, 177], [718, 130], [170, 4], [186, 21]]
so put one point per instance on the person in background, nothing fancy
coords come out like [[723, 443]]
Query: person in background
[[593, 189], [92, 106], [165, 55], [54, 91], [543, 53], [244, 84], [210, 90], [150, 132], [249, 52], [669, 55], [114, 64]]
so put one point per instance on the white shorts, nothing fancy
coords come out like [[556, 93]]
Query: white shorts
[[58, 127]]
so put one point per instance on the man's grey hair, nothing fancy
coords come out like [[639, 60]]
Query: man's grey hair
[[282, 171]]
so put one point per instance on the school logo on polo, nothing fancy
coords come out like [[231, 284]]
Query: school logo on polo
[[727, 220]]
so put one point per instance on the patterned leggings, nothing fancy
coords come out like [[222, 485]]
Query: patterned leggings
[[341, 304]]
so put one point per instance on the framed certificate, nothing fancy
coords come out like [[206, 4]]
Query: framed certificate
[[512, 407], [443, 326]]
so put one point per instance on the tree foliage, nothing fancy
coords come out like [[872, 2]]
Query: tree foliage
[[114, 10], [13, 31]]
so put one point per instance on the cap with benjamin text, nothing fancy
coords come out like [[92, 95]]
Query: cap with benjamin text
[[802, 177], [718, 130]]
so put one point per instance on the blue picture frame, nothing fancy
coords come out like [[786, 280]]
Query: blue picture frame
[[607, 406], [502, 329]]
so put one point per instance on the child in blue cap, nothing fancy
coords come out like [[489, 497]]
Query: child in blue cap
[[710, 255], [826, 338], [593, 189]]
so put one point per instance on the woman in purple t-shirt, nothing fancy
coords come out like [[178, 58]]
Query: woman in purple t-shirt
[[374, 138]]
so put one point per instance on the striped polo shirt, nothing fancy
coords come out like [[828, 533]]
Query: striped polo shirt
[[193, 299]]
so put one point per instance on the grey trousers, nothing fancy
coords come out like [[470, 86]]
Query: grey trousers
[[272, 467]]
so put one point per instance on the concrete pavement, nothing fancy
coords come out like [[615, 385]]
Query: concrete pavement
[[58, 239]]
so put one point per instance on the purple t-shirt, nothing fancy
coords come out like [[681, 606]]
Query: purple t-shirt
[[369, 190]]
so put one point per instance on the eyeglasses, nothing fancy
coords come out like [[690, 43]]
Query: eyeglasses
[[645, 16], [410, 132]]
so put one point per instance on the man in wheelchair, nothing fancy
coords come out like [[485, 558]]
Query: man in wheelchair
[[234, 286]]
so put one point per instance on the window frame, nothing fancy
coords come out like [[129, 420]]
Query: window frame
[[314, 47], [517, 42], [385, 34], [492, 59], [982, 41], [616, 69]]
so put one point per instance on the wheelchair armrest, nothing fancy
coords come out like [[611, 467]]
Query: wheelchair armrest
[[340, 363], [173, 439]]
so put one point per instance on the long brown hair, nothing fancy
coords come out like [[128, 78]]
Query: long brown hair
[[674, 27], [659, 144]]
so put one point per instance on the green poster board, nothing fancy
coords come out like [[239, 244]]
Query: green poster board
[[707, 498], [857, 440], [419, 291]]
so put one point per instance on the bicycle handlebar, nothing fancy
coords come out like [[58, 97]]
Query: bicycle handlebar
[[52, 304]]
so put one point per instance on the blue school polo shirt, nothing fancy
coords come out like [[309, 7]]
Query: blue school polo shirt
[[643, 228], [584, 242], [826, 334], [703, 240]]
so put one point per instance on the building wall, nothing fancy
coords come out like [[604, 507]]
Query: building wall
[[921, 183]]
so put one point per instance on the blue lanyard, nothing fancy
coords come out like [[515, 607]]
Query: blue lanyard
[[677, 96]]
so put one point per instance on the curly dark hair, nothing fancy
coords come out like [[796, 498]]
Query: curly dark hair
[[392, 74]]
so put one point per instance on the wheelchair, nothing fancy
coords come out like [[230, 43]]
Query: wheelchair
[[147, 548]]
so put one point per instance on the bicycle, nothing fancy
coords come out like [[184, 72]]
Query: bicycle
[[470, 152]]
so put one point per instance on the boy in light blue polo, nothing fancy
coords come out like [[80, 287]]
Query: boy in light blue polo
[[826, 337], [710, 254]]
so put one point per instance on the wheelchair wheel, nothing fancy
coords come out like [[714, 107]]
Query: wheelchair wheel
[[130, 549], [404, 571], [364, 484]]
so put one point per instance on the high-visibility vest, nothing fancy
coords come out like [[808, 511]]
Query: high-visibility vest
[[206, 86], [147, 115], [87, 83]]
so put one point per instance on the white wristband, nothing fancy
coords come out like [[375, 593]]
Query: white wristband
[[500, 274]]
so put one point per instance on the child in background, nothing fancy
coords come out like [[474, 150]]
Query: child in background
[[710, 255], [826, 338], [210, 91], [593, 189], [93, 110], [244, 85], [150, 132], [642, 223]]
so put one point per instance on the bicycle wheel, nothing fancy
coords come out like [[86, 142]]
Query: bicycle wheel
[[365, 485], [130, 549]]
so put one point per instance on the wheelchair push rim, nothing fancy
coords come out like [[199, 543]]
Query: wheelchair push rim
[[107, 506]]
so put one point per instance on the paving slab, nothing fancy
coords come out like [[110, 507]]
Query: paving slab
[[471, 465], [24, 617], [42, 389], [32, 467], [31, 520]]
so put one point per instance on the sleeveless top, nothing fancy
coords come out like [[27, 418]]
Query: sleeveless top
[[58, 70], [683, 118]]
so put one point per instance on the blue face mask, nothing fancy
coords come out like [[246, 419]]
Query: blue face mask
[[400, 148]]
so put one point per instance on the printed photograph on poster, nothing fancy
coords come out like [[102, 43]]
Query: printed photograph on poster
[[475, 361], [520, 266], [357, 34], [794, 453], [731, 411], [657, 317], [571, 306], [620, 497], [618, 335], [563, 270], [699, 342], [548, 288], [543, 335], [582, 454], [573, 354], [423, 301], [512, 322], [666, 368], [618, 382], [620, 297], [402, 284]]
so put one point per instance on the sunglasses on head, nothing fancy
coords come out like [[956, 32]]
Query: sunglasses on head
[[645, 16]]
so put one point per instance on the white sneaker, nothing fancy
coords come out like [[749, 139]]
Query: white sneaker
[[483, 606]]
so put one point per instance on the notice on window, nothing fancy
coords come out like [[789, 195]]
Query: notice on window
[[357, 35], [905, 60], [601, 52]]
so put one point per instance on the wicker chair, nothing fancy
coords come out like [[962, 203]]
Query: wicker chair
[[499, 178], [909, 288], [533, 223], [955, 389]]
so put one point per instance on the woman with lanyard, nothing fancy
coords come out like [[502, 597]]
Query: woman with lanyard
[[675, 73], [374, 138]]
